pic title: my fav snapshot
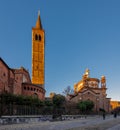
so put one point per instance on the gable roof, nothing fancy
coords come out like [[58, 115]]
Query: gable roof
[[4, 63], [88, 89]]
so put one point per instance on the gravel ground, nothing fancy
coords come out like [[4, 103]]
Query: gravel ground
[[91, 123], [109, 125]]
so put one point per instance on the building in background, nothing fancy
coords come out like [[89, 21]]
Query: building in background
[[18, 81], [89, 89], [114, 104]]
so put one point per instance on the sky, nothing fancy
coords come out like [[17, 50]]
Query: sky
[[79, 34]]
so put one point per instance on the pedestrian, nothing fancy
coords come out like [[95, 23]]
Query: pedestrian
[[115, 115], [103, 115]]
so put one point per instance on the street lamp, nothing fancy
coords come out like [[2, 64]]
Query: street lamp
[[0, 106], [80, 98], [97, 104]]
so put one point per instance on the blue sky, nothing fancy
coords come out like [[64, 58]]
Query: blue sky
[[79, 34]]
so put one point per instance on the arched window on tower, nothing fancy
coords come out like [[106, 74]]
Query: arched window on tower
[[39, 38], [36, 37]]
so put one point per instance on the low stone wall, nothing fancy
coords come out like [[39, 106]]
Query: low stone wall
[[28, 119], [24, 119], [70, 117]]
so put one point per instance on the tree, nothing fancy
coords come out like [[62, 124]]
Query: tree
[[58, 109], [82, 106], [89, 105], [85, 106], [48, 103], [58, 100], [68, 90]]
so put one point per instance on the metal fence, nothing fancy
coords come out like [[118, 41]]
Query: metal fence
[[13, 109]]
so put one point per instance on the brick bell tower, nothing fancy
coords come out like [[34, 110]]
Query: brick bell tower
[[38, 53]]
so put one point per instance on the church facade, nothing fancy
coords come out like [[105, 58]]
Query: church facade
[[92, 89], [18, 81]]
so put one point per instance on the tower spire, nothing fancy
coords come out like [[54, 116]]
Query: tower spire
[[38, 23]]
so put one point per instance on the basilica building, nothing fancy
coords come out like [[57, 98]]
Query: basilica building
[[92, 89], [18, 81]]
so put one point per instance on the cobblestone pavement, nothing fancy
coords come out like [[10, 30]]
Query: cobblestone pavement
[[91, 123]]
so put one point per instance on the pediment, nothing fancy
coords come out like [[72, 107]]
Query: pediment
[[89, 91]]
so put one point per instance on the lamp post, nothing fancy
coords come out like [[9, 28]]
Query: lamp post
[[80, 99], [103, 103], [97, 105], [0, 105]]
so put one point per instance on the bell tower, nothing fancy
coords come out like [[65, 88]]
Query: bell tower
[[38, 53], [103, 82]]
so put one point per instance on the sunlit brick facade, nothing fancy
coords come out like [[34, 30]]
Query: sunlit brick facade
[[38, 53], [18, 81], [88, 89], [114, 104]]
